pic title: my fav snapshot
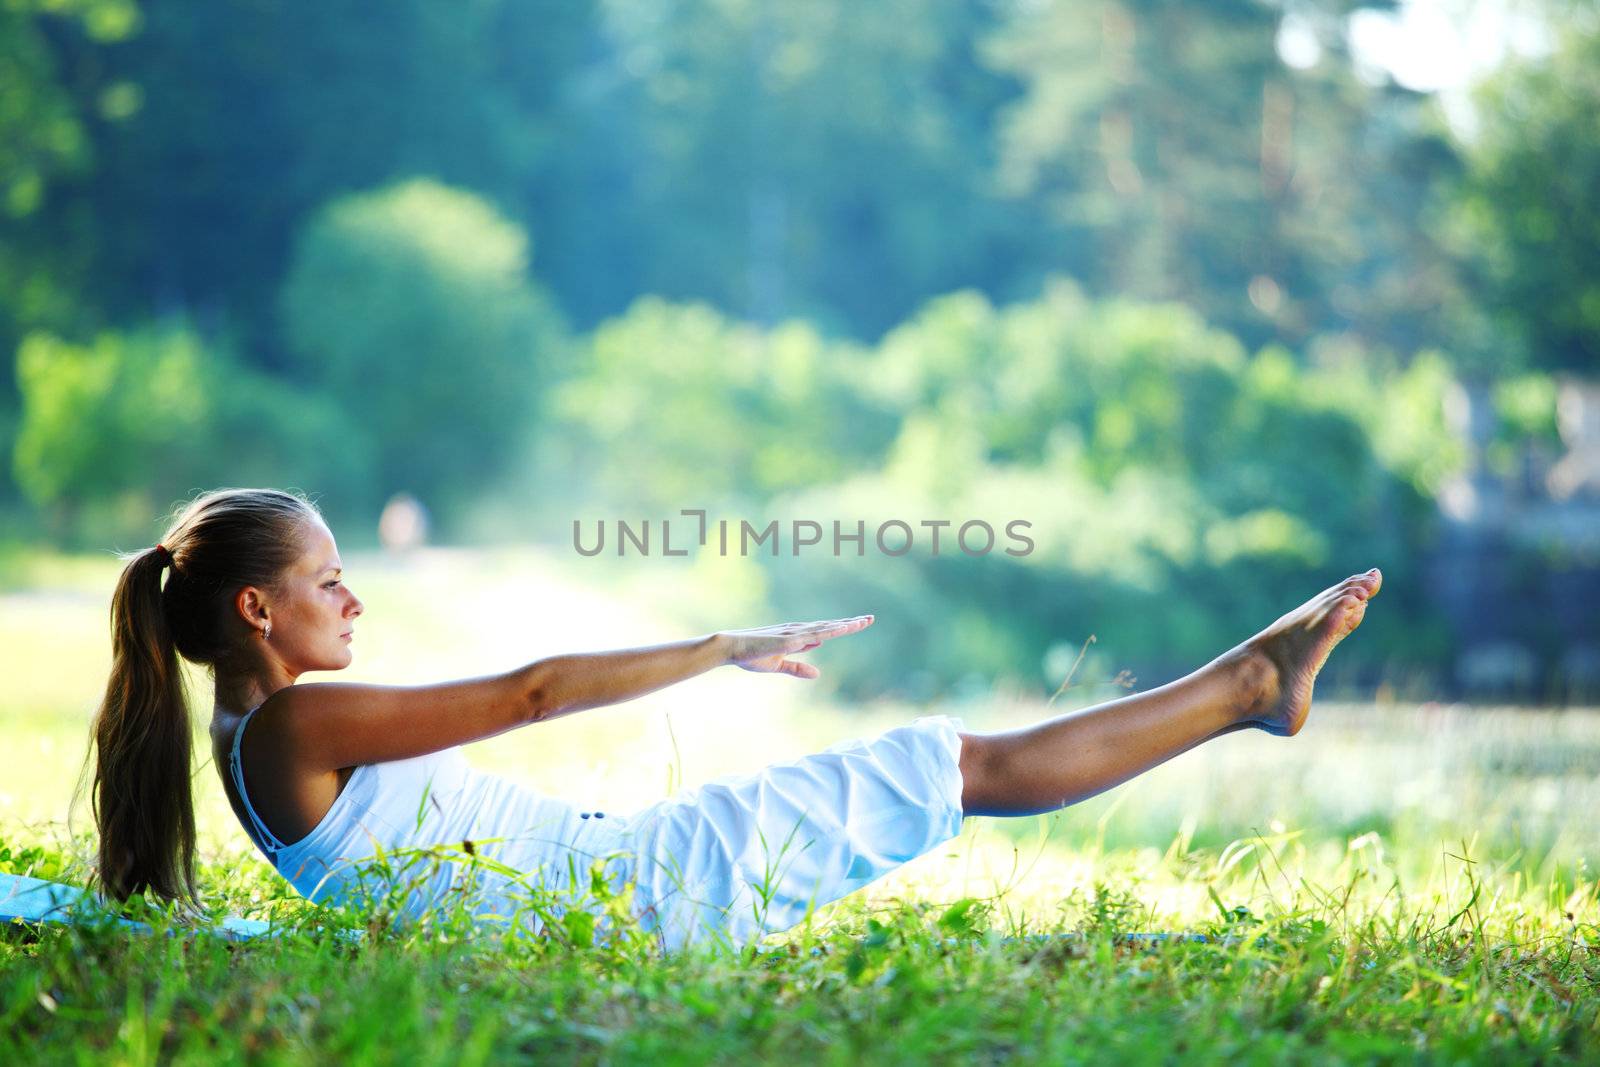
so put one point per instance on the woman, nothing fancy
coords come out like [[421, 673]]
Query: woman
[[334, 782]]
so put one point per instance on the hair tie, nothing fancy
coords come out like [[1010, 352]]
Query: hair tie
[[166, 554]]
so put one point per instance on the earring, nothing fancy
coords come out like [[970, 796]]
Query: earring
[[268, 631]]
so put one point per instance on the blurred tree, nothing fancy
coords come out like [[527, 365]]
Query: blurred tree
[[825, 160], [50, 107], [1176, 157], [254, 115], [678, 407], [1180, 491], [1249, 390], [411, 307], [1136, 383], [106, 416], [114, 431], [1528, 217], [46, 130], [53, 99]]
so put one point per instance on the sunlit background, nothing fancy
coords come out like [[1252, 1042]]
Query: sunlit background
[[1226, 301]]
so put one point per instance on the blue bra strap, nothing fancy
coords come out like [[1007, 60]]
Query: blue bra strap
[[269, 844]]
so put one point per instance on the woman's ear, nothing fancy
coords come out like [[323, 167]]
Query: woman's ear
[[251, 604]]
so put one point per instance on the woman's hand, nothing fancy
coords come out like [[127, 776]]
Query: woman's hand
[[763, 649]]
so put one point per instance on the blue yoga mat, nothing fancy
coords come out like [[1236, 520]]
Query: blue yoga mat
[[35, 900]]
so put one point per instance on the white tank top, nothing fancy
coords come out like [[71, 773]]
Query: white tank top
[[401, 825]]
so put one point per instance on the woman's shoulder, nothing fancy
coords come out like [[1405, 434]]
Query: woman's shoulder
[[224, 728]]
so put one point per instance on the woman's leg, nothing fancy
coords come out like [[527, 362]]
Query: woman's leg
[[1264, 682]]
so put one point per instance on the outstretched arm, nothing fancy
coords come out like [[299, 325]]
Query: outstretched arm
[[561, 685], [322, 726]]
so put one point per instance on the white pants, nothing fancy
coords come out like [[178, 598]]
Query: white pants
[[751, 854]]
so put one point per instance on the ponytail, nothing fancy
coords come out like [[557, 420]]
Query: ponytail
[[142, 799], [141, 743]]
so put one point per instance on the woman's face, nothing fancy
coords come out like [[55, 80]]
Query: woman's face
[[313, 612]]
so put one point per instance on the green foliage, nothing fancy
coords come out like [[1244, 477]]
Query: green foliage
[[1401, 410], [1148, 451], [1133, 384], [1150, 455], [827, 159], [1116, 264], [1173, 156], [411, 308], [1526, 212], [53, 110], [108, 415], [1527, 406], [113, 431], [43, 137], [677, 407], [252, 117]]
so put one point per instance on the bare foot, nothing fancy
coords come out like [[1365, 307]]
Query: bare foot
[[1282, 661]]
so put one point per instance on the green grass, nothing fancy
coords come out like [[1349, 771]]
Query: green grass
[[1396, 884], [1335, 964]]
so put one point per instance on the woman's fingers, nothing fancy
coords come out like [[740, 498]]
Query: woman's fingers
[[828, 623], [798, 669], [771, 643], [789, 629], [840, 626], [819, 632]]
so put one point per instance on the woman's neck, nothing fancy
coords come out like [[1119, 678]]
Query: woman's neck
[[238, 694]]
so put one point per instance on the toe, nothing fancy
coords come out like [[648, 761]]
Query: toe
[[1354, 609], [1363, 585]]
